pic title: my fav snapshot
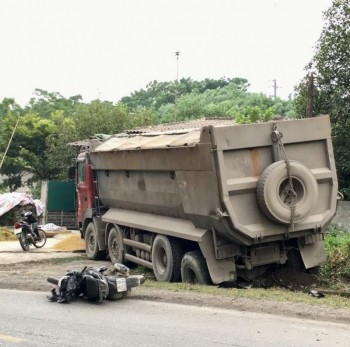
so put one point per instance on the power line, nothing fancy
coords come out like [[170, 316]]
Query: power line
[[8, 145]]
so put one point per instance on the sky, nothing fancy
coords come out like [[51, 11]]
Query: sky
[[107, 49]]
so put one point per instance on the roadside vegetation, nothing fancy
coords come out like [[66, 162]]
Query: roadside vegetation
[[336, 272], [280, 294]]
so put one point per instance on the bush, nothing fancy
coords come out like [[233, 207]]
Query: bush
[[337, 245]]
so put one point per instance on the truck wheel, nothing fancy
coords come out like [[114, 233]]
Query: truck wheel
[[115, 246], [273, 197], [166, 259], [91, 244], [194, 268]]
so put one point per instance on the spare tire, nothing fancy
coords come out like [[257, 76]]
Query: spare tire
[[274, 197]]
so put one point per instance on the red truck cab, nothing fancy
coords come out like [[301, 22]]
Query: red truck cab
[[84, 187]]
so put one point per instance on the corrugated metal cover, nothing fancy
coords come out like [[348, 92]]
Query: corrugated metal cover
[[182, 126], [147, 142]]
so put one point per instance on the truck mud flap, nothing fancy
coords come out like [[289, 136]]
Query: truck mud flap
[[223, 270], [313, 254]]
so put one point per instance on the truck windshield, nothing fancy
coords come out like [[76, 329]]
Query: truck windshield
[[81, 171]]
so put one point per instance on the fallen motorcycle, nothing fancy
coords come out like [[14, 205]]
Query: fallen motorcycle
[[28, 233], [95, 284]]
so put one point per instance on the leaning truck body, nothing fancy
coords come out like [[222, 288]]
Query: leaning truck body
[[211, 204]]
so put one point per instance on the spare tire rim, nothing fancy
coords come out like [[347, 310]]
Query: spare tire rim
[[291, 196]]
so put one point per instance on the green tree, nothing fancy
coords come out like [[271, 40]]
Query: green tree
[[27, 150], [331, 69], [158, 94], [101, 117], [254, 114], [44, 103], [59, 153]]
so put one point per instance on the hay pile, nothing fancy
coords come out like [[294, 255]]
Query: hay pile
[[70, 243], [7, 234]]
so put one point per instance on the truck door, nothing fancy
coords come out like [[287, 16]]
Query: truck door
[[83, 193]]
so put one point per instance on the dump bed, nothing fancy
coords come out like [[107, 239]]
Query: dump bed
[[250, 183]]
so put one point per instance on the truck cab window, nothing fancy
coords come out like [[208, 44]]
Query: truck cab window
[[81, 172]]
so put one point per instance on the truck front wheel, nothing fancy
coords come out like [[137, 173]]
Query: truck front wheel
[[91, 244], [166, 259], [194, 268], [115, 246]]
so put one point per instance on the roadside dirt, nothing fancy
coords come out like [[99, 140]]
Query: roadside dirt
[[32, 276]]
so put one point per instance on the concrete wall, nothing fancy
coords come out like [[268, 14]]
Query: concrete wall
[[342, 217], [24, 188]]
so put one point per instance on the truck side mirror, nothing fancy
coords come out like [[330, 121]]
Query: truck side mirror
[[72, 173]]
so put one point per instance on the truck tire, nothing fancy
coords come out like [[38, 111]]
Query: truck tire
[[272, 197], [115, 246], [91, 244], [194, 268], [166, 259]]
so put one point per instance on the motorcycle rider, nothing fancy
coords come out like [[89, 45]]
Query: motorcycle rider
[[28, 215]]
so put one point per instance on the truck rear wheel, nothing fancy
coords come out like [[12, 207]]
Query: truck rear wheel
[[194, 268], [91, 244], [115, 246], [166, 259], [274, 194]]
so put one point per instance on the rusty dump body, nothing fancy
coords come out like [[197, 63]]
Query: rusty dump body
[[242, 194]]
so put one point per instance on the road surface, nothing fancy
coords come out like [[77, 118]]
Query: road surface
[[28, 319]]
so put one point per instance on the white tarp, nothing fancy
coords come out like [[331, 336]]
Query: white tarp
[[52, 227], [9, 200]]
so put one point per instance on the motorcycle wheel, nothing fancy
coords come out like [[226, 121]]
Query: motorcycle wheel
[[42, 239], [23, 241]]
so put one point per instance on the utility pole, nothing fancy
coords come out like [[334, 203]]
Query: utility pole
[[310, 95], [177, 55], [274, 88]]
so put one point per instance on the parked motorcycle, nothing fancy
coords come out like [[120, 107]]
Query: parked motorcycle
[[28, 233], [95, 284]]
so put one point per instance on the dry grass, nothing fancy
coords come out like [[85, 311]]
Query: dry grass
[[70, 243], [7, 234]]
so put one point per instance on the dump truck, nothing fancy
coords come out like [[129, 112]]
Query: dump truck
[[210, 204]]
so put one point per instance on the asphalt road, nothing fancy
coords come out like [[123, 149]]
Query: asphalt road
[[28, 319]]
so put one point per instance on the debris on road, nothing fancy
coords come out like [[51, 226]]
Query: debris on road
[[316, 294]]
